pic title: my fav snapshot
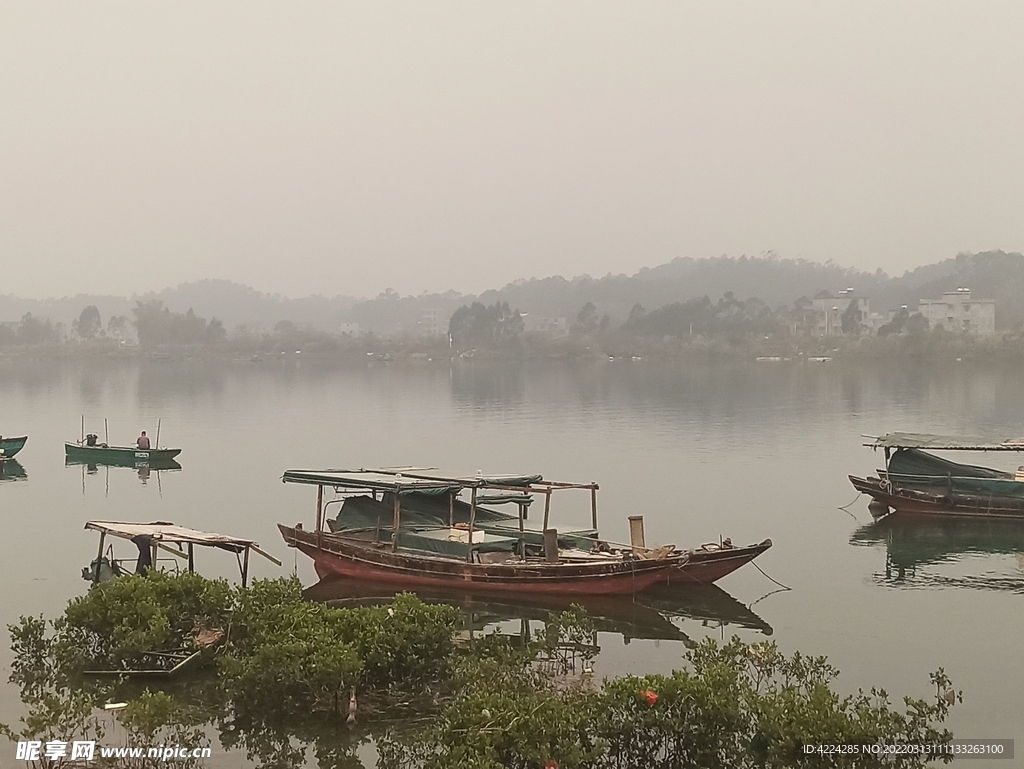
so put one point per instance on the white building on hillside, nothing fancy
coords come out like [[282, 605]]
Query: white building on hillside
[[830, 309], [957, 311]]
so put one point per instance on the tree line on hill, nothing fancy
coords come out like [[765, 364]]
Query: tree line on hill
[[722, 297]]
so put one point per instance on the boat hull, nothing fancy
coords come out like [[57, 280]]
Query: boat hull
[[901, 500], [334, 555], [11, 446], [119, 456], [704, 567]]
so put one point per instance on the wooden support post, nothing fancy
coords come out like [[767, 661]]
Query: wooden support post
[[636, 534], [547, 508], [551, 545], [397, 521], [99, 554], [472, 523], [319, 514], [245, 567], [451, 509], [522, 515], [153, 549], [191, 559], [593, 507]]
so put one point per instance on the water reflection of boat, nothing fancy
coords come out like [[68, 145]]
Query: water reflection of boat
[[919, 547], [92, 464], [647, 616], [11, 470], [705, 603]]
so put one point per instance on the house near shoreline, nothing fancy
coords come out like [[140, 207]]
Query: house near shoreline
[[829, 310], [958, 311]]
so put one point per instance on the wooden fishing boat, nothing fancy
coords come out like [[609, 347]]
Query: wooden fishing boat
[[408, 526], [919, 482], [10, 446], [710, 562], [411, 546]]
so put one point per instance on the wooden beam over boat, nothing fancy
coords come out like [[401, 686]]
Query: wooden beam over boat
[[162, 536]]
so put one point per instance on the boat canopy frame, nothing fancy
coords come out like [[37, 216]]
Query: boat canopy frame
[[941, 443], [401, 481], [162, 534]]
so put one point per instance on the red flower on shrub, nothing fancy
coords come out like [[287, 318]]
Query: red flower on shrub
[[650, 696], [550, 765]]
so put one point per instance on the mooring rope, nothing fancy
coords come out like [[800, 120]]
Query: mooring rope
[[772, 579], [859, 495]]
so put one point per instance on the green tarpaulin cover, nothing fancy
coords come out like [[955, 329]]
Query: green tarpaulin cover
[[917, 469]]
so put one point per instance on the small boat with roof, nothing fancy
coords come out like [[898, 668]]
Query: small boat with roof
[[915, 480], [412, 526]]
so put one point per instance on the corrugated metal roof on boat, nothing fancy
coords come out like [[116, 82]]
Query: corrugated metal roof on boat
[[166, 532], [943, 442], [375, 481], [404, 480]]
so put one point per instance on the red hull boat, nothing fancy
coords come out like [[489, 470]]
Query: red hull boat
[[335, 555], [406, 527], [710, 563]]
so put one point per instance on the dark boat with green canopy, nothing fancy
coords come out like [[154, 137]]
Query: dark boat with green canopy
[[915, 480], [408, 526]]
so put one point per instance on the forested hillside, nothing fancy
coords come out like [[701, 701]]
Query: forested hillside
[[774, 281]]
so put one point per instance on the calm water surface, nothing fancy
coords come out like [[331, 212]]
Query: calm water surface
[[745, 451]]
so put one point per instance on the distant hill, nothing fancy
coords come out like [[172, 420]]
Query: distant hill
[[773, 280], [990, 275]]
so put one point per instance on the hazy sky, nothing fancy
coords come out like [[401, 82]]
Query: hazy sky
[[343, 148]]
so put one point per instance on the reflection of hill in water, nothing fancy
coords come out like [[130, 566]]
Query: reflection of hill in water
[[647, 616], [927, 551], [11, 470]]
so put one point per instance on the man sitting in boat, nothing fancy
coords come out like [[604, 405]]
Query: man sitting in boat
[[143, 441]]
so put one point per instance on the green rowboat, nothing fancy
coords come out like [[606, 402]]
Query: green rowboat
[[11, 446], [118, 456]]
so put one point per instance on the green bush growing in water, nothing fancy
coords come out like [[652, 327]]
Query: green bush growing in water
[[737, 705], [117, 621], [284, 653]]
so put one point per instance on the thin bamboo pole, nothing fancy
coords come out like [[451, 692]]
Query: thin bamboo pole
[[245, 567], [319, 514], [472, 522], [397, 523]]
